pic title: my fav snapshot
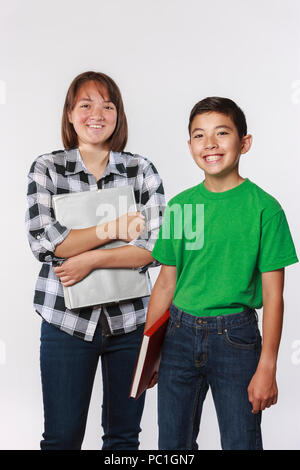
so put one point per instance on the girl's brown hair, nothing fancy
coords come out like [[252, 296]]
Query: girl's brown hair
[[118, 139]]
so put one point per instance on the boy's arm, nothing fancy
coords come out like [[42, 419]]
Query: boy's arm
[[162, 294], [262, 390]]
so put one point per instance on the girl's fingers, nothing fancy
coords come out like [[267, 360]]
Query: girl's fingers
[[68, 283], [59, 271]]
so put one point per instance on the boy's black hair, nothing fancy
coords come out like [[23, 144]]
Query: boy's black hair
[[224, 106]]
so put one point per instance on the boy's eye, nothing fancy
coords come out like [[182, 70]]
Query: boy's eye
[[223, 133], [198, 135]]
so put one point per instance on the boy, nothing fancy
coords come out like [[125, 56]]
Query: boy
[[223, 247]]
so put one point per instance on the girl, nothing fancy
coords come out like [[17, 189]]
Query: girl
[[94, 134]]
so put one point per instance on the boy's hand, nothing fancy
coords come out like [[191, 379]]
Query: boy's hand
[[75, 268], [262, 390]]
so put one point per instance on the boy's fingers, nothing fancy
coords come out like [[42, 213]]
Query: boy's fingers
[[256, 406]]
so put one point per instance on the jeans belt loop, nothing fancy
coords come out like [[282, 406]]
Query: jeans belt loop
[[178, 318], [220, 324]]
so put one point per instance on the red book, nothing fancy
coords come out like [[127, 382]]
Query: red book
[[148, 360]]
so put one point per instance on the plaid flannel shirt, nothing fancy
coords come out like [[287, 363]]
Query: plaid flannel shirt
[[63, 171]]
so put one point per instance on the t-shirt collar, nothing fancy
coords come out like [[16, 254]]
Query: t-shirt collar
[[224, 194]]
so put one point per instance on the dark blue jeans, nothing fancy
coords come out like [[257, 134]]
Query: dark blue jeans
[[218, 352], [68, 367]]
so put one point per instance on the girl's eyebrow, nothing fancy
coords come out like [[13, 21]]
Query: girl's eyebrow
[[89, 99], [217, 127]]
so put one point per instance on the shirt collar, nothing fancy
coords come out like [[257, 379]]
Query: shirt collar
[[74, 163]]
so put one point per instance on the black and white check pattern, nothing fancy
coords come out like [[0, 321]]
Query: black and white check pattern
[[63, 171]]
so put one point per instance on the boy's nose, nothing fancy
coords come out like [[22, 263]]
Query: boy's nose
[[210, 145]]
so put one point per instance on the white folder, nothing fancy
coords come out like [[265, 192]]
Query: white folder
[[89, 208]]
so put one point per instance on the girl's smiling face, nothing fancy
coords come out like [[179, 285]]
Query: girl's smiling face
[[215, 143], [94, 116]]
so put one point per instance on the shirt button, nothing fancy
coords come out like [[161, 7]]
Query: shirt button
[[199, 321], [38, 237]]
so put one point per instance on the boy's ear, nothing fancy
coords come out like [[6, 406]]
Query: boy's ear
[[246, 143], [189, 144]]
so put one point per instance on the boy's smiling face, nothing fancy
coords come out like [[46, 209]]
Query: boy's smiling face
[[215, 143]]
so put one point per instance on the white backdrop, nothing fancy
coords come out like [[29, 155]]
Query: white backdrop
[[165, 56]]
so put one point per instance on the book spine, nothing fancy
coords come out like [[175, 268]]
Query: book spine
[[67, 298]]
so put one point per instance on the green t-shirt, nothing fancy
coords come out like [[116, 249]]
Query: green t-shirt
[[220, 244]]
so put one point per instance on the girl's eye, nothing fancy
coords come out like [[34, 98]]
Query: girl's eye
[[84, 106], [109, 107]]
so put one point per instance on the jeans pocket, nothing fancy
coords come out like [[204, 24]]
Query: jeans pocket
[[245, 336], [171, 327]]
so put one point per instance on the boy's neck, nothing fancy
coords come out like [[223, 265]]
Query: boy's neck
[[219, 184]]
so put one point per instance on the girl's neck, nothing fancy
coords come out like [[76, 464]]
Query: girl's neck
[[94, 156]]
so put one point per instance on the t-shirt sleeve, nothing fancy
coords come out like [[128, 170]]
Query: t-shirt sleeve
[[277, 249], [164, 248]]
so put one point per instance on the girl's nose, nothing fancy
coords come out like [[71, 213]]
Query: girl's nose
[[97, 114], [97, 117]]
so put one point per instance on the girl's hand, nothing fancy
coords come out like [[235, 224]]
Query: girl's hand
[[75, 268], [262, 390]]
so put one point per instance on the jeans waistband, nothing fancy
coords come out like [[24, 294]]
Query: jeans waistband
[[218, 322]]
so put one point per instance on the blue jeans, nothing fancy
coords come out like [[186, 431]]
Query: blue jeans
[[68, 367], [200, 352]]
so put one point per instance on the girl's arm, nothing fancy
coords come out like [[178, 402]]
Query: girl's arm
[[77, 267], [263, 390], [80, 240], [49, 240]]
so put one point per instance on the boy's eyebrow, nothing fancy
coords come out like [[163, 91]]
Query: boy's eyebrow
[[217, 127]]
